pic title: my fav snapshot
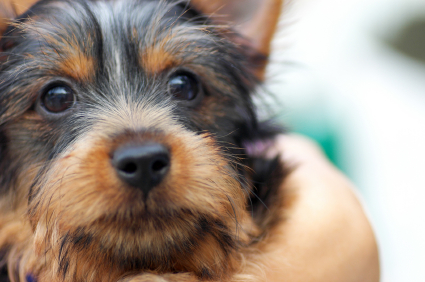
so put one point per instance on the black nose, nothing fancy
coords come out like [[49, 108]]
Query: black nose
[[142, 166]]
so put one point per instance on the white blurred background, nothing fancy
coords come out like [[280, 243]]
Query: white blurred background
[[351, 74]]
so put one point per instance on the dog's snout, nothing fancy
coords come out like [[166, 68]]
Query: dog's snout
[[142, 166]]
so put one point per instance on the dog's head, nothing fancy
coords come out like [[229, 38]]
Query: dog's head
[[126, 124]]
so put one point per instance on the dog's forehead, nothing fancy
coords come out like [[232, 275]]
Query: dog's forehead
[[121, 37], [137, 11], [117, 19], [116, 22], [148, 33]]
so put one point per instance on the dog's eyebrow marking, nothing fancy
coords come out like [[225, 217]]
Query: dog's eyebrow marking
[[78, 66], [157, 58], [69, 55], [73, 60]]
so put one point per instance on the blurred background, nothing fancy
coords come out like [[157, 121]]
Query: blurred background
[[351, 75]]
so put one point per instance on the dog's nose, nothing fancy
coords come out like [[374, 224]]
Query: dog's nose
[[142, 166]]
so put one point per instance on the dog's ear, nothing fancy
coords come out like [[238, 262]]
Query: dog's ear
[[255, 20], [9, 9], [6, 14]]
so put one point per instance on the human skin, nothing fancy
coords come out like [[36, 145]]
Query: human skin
[[326, 235]]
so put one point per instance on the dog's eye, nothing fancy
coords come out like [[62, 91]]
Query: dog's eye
[[184, 86], [58, 98]]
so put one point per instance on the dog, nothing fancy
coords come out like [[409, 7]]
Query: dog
[[130, 148]]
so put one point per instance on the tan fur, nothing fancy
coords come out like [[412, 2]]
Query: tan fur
[[77, 66], [83, 188], [165, 53], [81, 198], [72, 62], [157, 58]]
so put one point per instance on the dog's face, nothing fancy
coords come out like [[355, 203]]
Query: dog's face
[[125, 124]]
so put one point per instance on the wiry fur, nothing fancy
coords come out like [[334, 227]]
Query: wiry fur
[[65, 215]]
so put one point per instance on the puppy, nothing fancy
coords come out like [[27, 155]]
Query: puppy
[[130, 149]]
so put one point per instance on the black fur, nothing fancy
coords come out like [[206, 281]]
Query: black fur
[[28, 57]]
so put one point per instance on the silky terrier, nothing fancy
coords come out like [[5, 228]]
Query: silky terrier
[[130, 148]]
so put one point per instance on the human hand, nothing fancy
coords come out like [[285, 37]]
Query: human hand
[[326, 235]]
